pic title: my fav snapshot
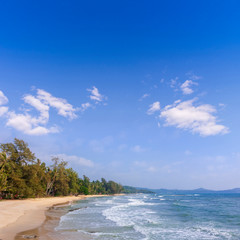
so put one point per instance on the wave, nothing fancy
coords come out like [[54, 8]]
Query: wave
[[141, 217]]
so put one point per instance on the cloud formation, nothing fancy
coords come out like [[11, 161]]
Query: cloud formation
[[36, 125], [144, 96], [3, 98], [42, 102], [154, 108], [3, 111], [188, 115], [95, 95], [198, 119], [186, 87], [39, 106], [29, 125], [63, 107], [85, 106], [3, 101]]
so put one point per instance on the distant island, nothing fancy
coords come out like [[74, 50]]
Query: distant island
[[198, 191], [194, 191]]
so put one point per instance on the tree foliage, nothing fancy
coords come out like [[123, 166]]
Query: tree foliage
[[24, 176]]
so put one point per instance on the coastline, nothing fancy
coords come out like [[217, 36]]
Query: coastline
[[17, 216]]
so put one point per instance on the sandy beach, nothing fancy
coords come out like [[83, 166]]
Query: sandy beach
[[22, 215]]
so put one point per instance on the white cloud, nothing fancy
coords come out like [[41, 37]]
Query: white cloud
[[95, 95], [144, 96], [186, 87], [193, 76], [38, 105], [76, 160], [27, 124], [36, 124], [64, 108], [154, 108], [85, 106], [3, 98], [197, 119], [3, 101], [3, 111]]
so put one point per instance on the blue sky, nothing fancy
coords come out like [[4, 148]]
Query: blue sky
[[143, 93]]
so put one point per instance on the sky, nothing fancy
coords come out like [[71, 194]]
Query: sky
[[145, 93]]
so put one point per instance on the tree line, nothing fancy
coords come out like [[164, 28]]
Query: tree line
[[22, 175]]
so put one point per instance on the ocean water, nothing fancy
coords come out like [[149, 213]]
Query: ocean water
[[153, 216]]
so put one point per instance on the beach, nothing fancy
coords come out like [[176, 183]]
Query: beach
[[21, 215], [133, 216]]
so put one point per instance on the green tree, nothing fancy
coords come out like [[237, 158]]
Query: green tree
[[19, 152], [21, 176], [4, 165], [19, 155], [54, 176], [73, 181]]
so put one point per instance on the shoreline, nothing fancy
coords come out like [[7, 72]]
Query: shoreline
[[18, 216], [47, 229]]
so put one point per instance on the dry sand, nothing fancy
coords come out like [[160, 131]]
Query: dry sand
[[22, 215]]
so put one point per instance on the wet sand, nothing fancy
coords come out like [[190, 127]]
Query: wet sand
[[46, 230], [19, 216]]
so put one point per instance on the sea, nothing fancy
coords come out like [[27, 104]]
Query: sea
[[153, 217]]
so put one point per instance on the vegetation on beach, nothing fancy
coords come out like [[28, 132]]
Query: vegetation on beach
[[22, 175]]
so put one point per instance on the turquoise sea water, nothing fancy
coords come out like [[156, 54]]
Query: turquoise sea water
[[154, 216]]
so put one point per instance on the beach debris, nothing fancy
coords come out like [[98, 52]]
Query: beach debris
[[29, 236]]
